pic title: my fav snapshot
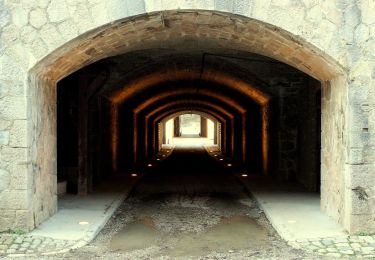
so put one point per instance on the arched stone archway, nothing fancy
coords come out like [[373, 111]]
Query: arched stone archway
[[347, 156]]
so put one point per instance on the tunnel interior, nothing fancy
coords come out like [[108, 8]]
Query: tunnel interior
[[114, 115]]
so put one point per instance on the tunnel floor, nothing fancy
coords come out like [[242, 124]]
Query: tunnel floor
[[188, 207]]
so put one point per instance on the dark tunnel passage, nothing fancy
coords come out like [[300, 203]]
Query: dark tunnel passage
[[113, 115]]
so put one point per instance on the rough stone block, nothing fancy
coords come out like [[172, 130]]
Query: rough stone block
[[362, 223], [38, 18], [13, 108], [51, 36], [359, 201], [18, 134], [4, 137], [14, 199], [57, 11], [362, 175], [4, 180], [5, 124], [14, 155], [24, 220], [20, 180], [19, 17], [356, 156], [7, 219], [10, 70]]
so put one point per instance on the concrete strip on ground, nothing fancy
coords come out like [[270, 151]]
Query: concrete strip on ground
[[80, 218], [294, 213]]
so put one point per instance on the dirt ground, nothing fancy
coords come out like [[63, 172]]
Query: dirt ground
[[188, 207]]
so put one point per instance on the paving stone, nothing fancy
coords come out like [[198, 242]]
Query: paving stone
[[327, 242], [347, 252], [312, 248], [368, 239], [11, 251], [342, 245], [332, 249], [368, 249], [25, 244], [341, 240], [18, 240], [36, 241], [8, 241], [333, 254], [317, 243], [14, 246]]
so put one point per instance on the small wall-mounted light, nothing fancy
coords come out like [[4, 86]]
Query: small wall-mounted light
[[215, 155], [149, 165], [221, 159], [158, 159], [244, 175], [83, 223], [229, 164], [163, 155], [134, 175]]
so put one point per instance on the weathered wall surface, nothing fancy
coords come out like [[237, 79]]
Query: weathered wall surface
[[341, 30]]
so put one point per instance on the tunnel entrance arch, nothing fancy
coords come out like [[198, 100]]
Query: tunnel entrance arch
[[174, 29]]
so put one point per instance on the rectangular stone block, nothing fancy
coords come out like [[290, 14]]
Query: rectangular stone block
[[4, 137], [14, 199], [24, 220], [20, 179], [355, 156], [7, 219], [361, 223], [14, 155], [362, 175], [358, 118], [359, 200]]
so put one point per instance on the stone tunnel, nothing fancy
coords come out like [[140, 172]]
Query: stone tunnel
[[112, 114], [85, 98]]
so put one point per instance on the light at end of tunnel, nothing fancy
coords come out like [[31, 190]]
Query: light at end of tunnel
[[244, 175], [134, 175], [149, 165], [229, 164], [83, 223]]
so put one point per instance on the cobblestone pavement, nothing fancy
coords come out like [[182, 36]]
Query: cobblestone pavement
[[13, 245], [355, 246]]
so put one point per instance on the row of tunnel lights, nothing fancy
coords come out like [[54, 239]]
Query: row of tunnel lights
[[228, 164], [163, 155], [150, 164]]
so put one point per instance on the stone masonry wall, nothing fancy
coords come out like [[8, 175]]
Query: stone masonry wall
[[330, 40]]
